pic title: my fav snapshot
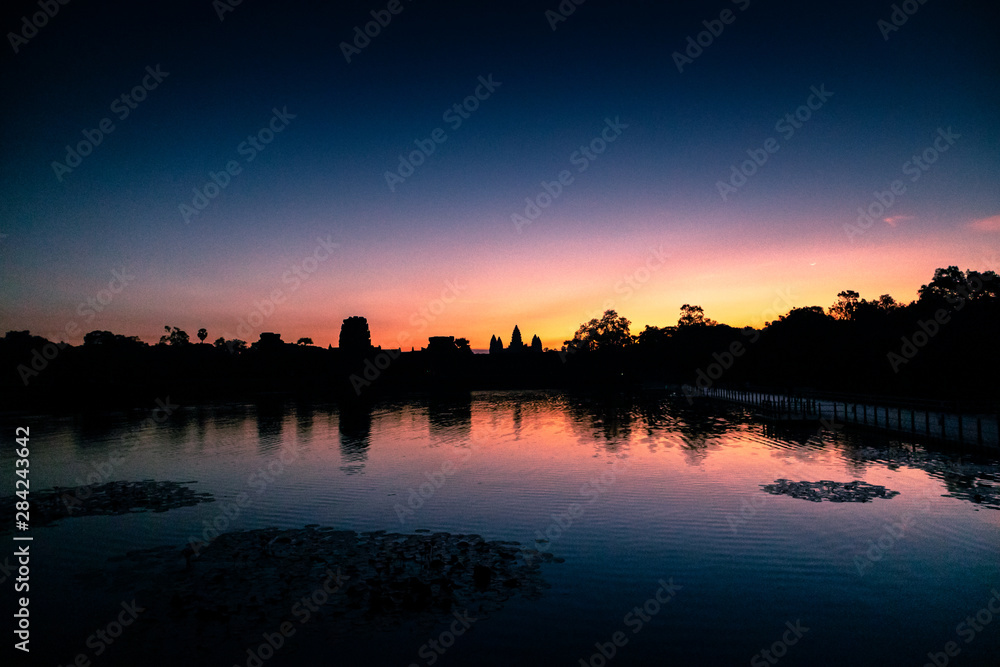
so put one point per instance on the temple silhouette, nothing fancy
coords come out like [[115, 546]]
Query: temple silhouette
[[941, 346], [516, 346]]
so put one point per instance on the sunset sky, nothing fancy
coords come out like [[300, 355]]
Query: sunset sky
[[642, 227]]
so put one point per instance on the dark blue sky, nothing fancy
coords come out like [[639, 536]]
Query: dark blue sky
[[657, 184]]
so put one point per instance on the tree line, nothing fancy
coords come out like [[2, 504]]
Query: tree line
[[942, 344]]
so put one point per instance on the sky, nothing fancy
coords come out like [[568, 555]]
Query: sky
[[464, 168]]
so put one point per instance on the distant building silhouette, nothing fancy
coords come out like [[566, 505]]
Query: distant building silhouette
[[355, 338], [516, 344], [269, 341], [441, 344]]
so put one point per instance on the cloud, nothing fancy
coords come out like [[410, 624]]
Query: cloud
[[897, 218], [991, 224]]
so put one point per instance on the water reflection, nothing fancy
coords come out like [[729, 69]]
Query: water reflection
[[449, 418], [270, 422], [968, 476], [94, 430], [604, 420], [355, 428], [304, 413], [701, 431], [537, 454]]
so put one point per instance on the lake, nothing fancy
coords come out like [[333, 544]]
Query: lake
[[645, 536]]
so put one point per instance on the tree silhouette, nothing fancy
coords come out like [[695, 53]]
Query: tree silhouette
[[952, 285], [304, 341], [235, 345], [694, 316], [611, 332], [202, 334], [847, 304], [654, 336], [174, 337], [108, 338]]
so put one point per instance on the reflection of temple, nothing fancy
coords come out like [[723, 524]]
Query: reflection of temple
[[270, 422], [355, 426], [304, 421], [516, 344], [450, 418]]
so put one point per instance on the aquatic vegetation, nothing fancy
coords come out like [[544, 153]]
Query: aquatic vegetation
[[836, 492], [255, 580], [110, 498]]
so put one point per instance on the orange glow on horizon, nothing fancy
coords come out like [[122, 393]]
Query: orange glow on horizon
[[548, 287]]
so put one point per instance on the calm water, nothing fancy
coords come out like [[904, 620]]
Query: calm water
[[626, 492]]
